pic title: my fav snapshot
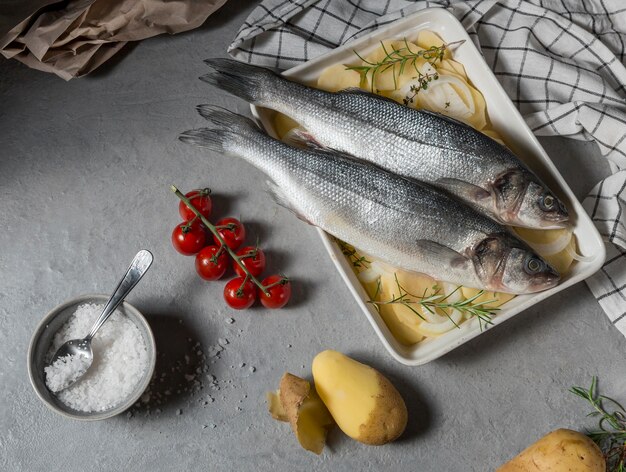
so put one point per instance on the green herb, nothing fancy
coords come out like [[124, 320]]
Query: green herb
[[351, 253], [403, 57], [611, 433], [439, 301]]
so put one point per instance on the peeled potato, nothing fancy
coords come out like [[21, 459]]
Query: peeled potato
[[561, 450], [297, 403], [395, 317], [454, 67], [283, 124], [426, 39], [363, 403], [493, 135], [337, 77], [400, 320], [390, 78], [403, 321], [479, 119], [499, 297]]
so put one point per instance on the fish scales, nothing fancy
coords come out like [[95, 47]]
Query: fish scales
[[416, 144], [401, 221]]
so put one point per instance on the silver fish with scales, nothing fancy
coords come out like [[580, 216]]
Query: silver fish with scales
[[403, 222], [414, 143]]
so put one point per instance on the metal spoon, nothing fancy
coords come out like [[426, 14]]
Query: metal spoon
[[82, 347]]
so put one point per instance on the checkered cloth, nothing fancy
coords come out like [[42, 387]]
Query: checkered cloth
[[560, 61]]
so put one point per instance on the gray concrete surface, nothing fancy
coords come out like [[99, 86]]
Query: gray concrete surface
[[84, 174]]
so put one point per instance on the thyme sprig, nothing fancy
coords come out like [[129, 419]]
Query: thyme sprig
[[353, 256], [403, 57], [439, 301], [610, 436]]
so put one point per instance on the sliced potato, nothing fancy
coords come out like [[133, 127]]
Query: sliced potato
[[493, 135], [283, 124], [499, 297], [418, 285], [479, 119], [389, 78], [427, 39], [309, 418], [337, 77], [454, 67], [540, 240], [402, 327], [561, 450], [365, 405], [399, 318]]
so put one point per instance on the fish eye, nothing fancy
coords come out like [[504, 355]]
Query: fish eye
[[546, 202], [533, 265]]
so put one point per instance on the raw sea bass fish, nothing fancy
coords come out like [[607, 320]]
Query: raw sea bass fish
[[417, 144], [403, 222]]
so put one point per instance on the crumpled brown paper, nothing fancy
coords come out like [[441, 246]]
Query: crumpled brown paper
[[73, 38]]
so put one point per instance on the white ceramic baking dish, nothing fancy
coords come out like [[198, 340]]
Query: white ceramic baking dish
[[508, 122]]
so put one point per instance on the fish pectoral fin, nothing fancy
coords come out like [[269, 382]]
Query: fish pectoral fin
[[302, 138], [442, 253], [464, 190], [281, 199]]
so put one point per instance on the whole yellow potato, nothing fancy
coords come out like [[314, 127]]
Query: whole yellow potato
[[562, 450], [363, 403]]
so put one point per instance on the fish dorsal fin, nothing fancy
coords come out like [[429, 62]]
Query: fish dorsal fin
[[360, 91], [281, 199], [442, 253], [355, 90], [464, 190]]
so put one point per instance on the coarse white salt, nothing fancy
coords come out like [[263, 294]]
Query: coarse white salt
[[120, 359], [64, 371]]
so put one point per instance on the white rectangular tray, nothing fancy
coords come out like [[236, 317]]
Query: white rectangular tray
[[508, 122]]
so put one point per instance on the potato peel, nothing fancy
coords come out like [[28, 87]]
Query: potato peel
[[299, 404], [276, 407]]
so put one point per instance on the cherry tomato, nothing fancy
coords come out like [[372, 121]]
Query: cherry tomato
[[210, 266], [233, 233], [279, 294], [240, 293], [188, 238], [201, 200], [255, 264]]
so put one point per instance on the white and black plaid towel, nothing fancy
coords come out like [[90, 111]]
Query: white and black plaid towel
[[560, 61]]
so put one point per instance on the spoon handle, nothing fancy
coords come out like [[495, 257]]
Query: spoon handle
[[139, 266]]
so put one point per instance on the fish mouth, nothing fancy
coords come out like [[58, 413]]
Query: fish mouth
[[544, 281], [557, 221]]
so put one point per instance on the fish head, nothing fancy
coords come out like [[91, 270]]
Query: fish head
[[506, 264], [521, 201]]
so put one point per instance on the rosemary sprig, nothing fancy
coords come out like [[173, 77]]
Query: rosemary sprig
[[402, 57], [354, 257], [611, 433], [439, 301]]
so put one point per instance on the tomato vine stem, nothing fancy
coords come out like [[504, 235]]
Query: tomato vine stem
[[218, 236]]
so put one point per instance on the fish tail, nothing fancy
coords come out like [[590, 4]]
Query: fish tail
[[228, 130], [242, 80]]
